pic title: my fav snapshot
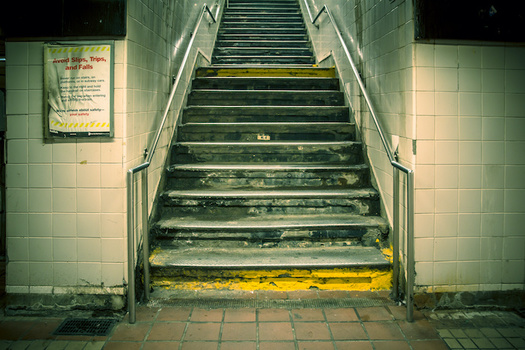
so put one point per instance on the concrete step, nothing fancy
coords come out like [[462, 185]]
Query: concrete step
[[348, 268], [297, 176], [299, 114], [268, 176], [257, 202], [225, 37], [253, 132], [262, 31], [263, 60], [265, 98], [331, 153], [257, 72], [263, 83], [262, 18], [271, 231], [261, 43], [262, 51]]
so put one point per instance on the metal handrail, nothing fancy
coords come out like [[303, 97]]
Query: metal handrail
[[143, 168], [409, 293]]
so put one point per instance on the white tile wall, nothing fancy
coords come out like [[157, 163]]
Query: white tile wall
[[66, 221], [464, 104]]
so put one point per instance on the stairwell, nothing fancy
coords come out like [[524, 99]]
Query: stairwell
[[267, 187]]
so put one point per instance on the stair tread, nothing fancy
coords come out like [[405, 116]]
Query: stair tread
[[267, 166], [275, 221], [246, 258], [272, 194]]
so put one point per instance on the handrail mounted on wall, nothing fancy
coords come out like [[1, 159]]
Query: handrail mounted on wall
[[410, 275], [144, 189]]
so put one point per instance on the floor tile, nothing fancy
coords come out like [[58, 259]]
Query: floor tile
[[204, 315], [275, 331], [316, 345], [333, 294], [418, 330], [276, 346], [238, 345], [199, 346], [391, 345], [353, 345], [131, 332], [341, 315], [269, 315], [174, 314], [271, 295], [428, 345], [15, 329], [383, 330], [202, 331], [43, 329], [348, 331], [123, 346], [162, 345], [239, 331], [171, 331], [302, 294], [239, 315], [312, 331], [501, 343], [374, 314], [304, 315]]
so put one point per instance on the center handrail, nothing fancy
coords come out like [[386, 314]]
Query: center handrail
[[144, 200], [409, 293]]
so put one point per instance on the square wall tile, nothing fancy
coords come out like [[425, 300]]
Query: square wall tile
[[469, 248], [493, 80], [494, 177], [492, 225], [65, 250], [111, 152], [112, 225], [89, 274], [64, 152], [424, 225], [17, 102], [446, 225], [16, 175], [447, 103], [424, 201], [513, 271], [64, 200], [65, 274], [470, 201], [491, 248], [447, 128], [40, 200], [493, 104], [17, 127], [88, 225], [446, 79], [447, 176], [40, 225], [469, 56], [425, 176], [446, 56], [514, 106], [113, 200], [64, 175], [112, 175], [41, 249], [16, 200], [18, 248], [88, 152], [425, 249], [515, 129], [491, 271], [112, 274], [469, 225], [88, 175], [88, 200], [492, 201], [493, 57], [64, 225], [39, 152], [470, 79], [425, 273], [17, 152], [447, 152], [514, 201], [469, 272], [17, 53], [470, 104], [445, 273], [445, 249], [41, 274], [514, 223], [40, 175], [514, 153], [113, 250], [89, 250], [17, 274], [17, 225], [513, 248], [493, 152], [470, 176], [447, 201], [493, 129]]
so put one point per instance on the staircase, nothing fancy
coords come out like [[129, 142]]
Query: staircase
[[267, 187]]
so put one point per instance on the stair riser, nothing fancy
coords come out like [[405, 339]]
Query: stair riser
[[262, 31], [261, 37], [266, 84], [265, 98], [181, 180], [276, 238], [262, 51], [254, 207], [255, 136], [228, 20], [260, 25], [345, 154], [306, 61], [238, 115], [261, 43]]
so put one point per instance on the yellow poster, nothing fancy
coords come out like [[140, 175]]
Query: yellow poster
[[79, 89]]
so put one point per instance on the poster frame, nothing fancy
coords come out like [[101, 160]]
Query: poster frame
[[48, 133]]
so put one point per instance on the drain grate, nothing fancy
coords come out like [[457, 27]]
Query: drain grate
[[81, 326]]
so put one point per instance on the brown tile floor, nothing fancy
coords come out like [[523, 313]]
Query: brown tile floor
[[341, 328]]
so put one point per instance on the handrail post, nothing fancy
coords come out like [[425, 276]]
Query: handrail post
[[395, 236], [145, 232], [410, 247], [131, 250]]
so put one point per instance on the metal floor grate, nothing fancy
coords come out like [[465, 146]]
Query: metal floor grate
[[273, 303], [80, 326]]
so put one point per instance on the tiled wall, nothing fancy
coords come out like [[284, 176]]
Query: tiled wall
[[470, 185], [66, 200], [463, 106]]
